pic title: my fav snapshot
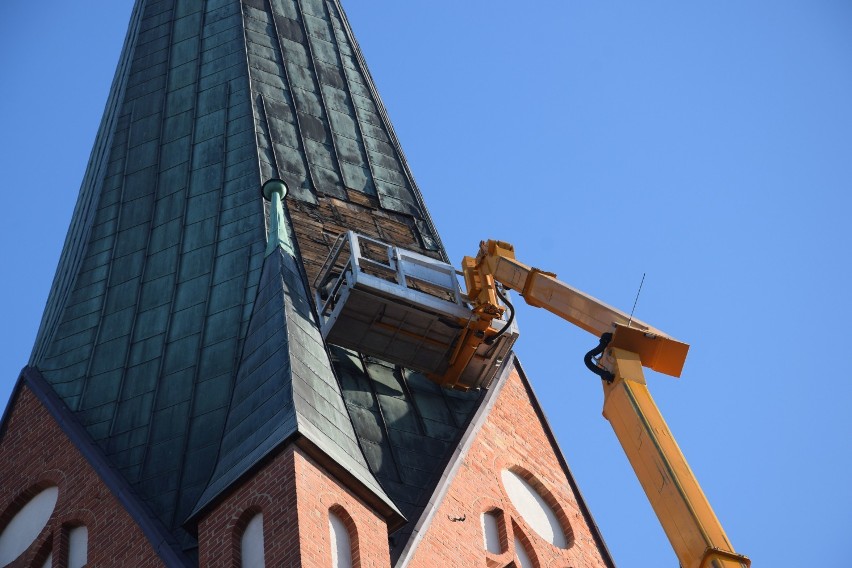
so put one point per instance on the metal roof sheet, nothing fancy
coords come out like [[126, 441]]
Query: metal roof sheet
[[160, 332]]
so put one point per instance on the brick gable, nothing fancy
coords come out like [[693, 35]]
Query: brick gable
[[511, 436], [37, 453]]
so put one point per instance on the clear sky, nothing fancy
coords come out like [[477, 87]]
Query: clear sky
[[706, 144]]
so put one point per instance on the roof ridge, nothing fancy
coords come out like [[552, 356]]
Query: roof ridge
[[285, 388]]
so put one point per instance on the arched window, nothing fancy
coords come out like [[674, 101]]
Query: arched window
[[521, 553], [341, 545], [26, 525], [532, 506], [251, 544], [78, 547], [492, 522]]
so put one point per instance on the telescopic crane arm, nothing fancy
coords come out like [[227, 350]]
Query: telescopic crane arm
[[626, 346]]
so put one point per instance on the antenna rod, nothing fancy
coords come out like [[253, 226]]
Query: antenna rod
[[636, 300]]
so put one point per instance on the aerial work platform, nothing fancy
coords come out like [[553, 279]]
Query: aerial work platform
[[403, 307]]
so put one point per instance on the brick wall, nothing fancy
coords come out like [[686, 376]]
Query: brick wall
[[512, 437], [295, 495], [35, 454]]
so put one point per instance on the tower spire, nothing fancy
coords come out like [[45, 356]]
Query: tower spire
[[179, 353]]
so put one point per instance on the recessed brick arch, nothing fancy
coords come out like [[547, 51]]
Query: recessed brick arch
[[255, 505], [352, 529], [78, 517], [529, 548], [500, 559], [47, 546], [549, 498], [295, 494], [43, 543], [23, 497], [67, 520], [502, 530]]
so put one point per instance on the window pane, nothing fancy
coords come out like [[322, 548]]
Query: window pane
[[26, 525], [522, 554], [341, 549], [251, 544], [78, 547], [491, 533], [534, 509]]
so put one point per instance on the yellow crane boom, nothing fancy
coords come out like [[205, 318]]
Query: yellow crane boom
[[694, 531]]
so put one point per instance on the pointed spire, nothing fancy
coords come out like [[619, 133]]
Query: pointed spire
[[154, 333]]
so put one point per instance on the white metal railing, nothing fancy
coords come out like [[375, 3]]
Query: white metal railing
[[402, 307], [354, 255]]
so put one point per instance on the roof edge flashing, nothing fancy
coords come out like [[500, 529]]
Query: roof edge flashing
[[382, 504], [455, 462], [160, 539], [560, 456], [208, 501]]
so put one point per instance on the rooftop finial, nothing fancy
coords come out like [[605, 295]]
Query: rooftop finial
[[273, 186], [274, 191]]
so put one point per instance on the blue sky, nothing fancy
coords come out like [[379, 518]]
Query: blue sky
[[708, 145]]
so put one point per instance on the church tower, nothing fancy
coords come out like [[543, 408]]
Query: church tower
[[181, 406]]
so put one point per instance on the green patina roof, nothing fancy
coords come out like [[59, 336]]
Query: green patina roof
[[284, 385], [186, 353], [408, 427]]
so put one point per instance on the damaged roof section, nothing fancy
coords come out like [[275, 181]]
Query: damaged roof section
[[320, 124]]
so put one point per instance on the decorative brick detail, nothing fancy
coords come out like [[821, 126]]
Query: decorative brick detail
[[42, 455], [295, 494], [511, 437]]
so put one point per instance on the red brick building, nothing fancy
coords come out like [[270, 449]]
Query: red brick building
[[181, 406]]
